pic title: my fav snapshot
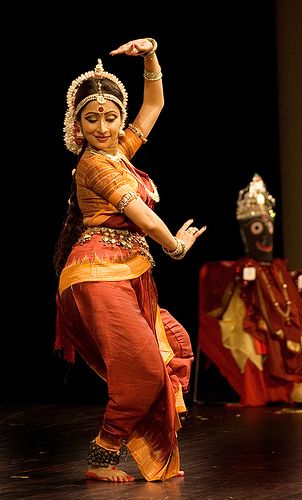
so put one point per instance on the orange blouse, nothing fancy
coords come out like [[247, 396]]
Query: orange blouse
[[102, 182]]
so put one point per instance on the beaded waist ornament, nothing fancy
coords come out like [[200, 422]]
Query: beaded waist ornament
[[129, 240]]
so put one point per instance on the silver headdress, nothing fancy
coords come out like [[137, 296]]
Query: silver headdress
[[72, 137], [255, 200]]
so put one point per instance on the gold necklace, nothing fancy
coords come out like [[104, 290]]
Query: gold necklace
[[116, 157], [285, 314]]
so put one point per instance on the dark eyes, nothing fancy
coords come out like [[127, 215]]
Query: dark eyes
[[109, 119], [257, 227]]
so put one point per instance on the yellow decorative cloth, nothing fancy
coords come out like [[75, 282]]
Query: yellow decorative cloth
[[234, 337], [102, 271]]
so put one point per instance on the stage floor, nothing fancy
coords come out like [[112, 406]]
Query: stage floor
[[226, 453]]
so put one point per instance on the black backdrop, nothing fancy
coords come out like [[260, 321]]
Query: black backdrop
[[219, 126]]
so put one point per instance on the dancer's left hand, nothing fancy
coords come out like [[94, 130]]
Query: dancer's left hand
[[137, 47]]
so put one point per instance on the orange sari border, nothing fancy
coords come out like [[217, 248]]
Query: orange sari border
[[152, 464], [102, 271]]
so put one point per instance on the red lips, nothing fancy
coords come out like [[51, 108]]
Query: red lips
[[264, 248]]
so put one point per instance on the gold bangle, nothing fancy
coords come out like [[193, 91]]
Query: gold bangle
[[154, 47], [138, 132], [180, 250], [152, 75]]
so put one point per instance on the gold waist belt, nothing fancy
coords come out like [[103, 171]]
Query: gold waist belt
[[123, 238]]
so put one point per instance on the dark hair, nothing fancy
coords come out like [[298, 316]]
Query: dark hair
[[73, 224], [71, 230]]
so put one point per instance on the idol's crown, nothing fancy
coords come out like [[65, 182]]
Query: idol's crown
[[255, 200]]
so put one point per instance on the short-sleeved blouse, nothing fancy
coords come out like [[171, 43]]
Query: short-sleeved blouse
[[112, 248]]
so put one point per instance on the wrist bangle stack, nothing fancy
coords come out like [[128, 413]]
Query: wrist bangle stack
[[179, 252], [152, 75], [154, 47]]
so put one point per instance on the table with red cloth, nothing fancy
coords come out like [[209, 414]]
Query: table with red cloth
[[252, 330]]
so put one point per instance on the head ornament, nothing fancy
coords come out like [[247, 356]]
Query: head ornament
[[73, 140], [255, 200]]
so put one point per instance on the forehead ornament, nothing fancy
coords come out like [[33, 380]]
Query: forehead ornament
[[72, 141], [101, 99]]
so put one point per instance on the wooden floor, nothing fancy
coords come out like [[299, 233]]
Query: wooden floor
[[227, 453]]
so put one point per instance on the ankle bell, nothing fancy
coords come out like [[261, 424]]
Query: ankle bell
[[100, 457]]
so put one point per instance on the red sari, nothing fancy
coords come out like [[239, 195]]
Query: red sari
[[108, 312]]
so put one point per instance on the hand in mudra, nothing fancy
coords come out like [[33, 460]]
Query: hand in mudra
[[189, 233], [134, 48]]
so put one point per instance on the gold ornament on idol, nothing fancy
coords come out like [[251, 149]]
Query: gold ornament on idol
[[255, 200], [284, 313]]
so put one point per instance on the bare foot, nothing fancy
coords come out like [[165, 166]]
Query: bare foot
[[181, 473], [109, 473]]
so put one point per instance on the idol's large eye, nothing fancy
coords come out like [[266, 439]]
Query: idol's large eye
[[256, 227]]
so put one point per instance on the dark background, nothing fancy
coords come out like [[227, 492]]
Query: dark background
[[219, 126]]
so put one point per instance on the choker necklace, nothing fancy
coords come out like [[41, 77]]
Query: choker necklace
[[94, 151]]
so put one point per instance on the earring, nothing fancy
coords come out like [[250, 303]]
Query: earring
[[121, 132], [78, 135], [78, 131]]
